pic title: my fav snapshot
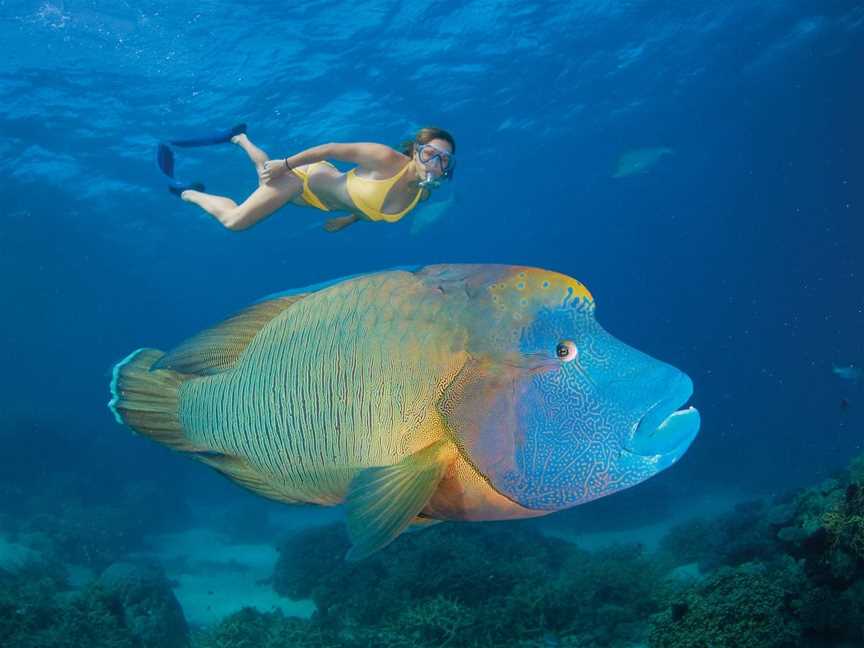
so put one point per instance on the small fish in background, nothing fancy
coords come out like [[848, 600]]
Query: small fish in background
[[639, 161], [849, 372], [431, 214]]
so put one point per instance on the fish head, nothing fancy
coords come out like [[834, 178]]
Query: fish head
[[551, 409]]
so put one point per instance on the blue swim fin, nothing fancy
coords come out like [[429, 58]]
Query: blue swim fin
[[165, 162], [165, 159], [178, 188], [219, 137], [165, 155]]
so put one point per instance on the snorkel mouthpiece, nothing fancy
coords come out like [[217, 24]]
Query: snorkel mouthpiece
[[430, 182]]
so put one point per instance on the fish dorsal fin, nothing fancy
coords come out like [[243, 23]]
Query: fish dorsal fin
[[383, 501], [216, 349]]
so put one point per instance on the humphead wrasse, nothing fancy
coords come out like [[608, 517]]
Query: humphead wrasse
[[448, 392]]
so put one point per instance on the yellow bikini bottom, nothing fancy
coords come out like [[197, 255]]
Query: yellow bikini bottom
[[309, 195]]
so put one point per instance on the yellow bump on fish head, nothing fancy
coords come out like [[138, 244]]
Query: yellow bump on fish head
[[506, 304], [523, 290], [496, 303]]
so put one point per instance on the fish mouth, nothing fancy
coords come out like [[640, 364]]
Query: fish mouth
[[667, 429]]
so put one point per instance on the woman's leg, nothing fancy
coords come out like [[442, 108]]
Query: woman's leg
[[265, 200], [255, 154]]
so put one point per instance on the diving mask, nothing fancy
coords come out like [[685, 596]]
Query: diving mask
[[428, 154]]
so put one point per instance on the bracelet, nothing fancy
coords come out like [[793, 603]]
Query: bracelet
[[287, 166]]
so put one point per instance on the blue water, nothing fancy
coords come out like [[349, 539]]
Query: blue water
[[736, 258]]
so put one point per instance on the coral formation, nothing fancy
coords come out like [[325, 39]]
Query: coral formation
[[783, 573], [845, 523], [34, 614], [473, 585], [150, 609], [128, 607], [749, 606], [251, 628]]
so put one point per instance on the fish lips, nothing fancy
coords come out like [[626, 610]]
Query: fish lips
[[665, 431]]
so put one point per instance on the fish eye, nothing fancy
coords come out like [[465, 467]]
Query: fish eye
[[566, 351]]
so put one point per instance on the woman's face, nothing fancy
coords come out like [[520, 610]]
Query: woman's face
[[435, 157]]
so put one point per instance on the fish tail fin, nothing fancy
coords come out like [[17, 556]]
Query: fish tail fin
[[147, 399]]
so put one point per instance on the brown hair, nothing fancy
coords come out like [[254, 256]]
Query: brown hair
[[426, 135]]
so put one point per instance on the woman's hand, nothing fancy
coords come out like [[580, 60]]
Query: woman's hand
[[340, 222], [271, 170]]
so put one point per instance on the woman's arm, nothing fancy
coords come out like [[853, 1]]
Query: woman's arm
[[341, 222], [375, 157], [369, 155]]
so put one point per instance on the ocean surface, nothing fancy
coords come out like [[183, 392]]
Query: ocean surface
[[697, 165]]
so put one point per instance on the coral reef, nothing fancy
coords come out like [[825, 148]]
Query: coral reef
[[779, 574], [783, 573], [250, 628], [827, 530], [805, 588], [750, 606], [35, 614], [460, 585], [745, 534], [128, 607], [150, 609], [844, 524]]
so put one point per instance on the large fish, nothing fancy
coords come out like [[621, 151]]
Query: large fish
[[448, 392]]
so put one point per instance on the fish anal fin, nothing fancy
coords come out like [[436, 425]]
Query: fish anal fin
[[421, 523], [239, 470], [217, 349], [383, 501]]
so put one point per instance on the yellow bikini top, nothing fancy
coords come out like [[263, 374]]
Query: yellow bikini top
[[369, 195]]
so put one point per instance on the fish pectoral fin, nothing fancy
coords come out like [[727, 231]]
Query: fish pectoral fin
[[217, 349], [383, 501]]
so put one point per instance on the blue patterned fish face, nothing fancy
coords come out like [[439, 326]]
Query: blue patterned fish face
[[556, 412], [605, 418]]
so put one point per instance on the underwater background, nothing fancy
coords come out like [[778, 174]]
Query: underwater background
[[697, 165]]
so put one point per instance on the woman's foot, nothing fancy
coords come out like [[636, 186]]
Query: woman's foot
[[255, 154], [179, 189]]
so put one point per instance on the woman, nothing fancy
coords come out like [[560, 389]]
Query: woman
[[385, 185]]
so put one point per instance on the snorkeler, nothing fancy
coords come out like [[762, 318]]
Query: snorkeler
[[385, 185]]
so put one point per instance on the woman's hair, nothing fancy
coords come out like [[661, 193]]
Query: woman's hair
[[426, 135]]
